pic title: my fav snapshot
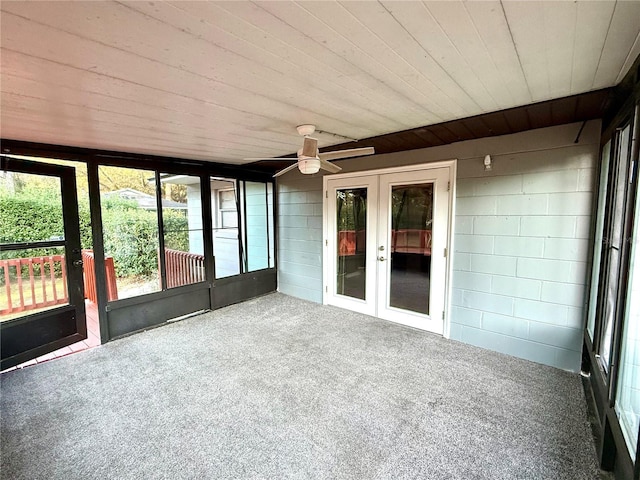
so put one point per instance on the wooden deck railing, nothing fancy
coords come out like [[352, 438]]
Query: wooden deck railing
[[90, 277], [411, 241], [183, 268], [41, 288], [351, 242]]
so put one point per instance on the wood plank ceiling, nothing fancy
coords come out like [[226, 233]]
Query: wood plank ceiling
[[223, 81]]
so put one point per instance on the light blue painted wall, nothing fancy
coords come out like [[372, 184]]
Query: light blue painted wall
[[194, 219], [258, 246], [522, 252], [300, 236], [521, 238]]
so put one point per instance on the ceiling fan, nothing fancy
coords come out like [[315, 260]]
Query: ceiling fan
[[310, 160]]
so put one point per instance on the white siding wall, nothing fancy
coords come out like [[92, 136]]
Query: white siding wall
[[521, 238]]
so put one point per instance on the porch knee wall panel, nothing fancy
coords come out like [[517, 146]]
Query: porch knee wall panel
[[521, 238]]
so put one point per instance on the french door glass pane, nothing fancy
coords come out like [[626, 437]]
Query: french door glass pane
[[410, 256], [351, 217], [628, 395]]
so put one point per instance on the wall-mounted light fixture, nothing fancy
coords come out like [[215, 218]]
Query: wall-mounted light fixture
[[487, 163]]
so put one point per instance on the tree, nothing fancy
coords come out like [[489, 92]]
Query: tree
[[117, 178]]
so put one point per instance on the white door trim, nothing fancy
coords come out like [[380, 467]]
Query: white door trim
[[452, 165]]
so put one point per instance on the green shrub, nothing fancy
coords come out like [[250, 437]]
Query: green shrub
[[31, 219], [131, 238], [130, 233]]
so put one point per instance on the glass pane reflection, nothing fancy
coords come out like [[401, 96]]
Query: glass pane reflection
[[411, 223], [628, 393], [351, 215]]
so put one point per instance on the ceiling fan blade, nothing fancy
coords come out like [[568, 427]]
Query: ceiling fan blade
[[271, 158], [285, 170], [310, 147], [353, 152], [329, 167]]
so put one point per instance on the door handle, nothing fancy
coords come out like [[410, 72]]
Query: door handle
[[382, 259], [78, 263]]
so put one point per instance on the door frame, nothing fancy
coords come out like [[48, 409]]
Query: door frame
[[452, 166], [34, 334]]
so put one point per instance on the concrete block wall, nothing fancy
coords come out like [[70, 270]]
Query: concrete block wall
[[521, 253], [521, 238], [300, 236]]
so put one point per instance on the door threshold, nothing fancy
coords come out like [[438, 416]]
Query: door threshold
[[92, 340]]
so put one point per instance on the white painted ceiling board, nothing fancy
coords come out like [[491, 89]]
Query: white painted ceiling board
[[526, 22], [633, 54], [559, 45], [624, 28], [591, 30], [205, 115], [170, 75], [151, 74], [62, 77], [222, 81], [90, 133], [491, 24], [346, 37], [238, 35], [385, 99], [474, 72], [387, 41]]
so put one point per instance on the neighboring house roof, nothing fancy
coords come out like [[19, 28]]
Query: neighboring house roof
[[144, 200]]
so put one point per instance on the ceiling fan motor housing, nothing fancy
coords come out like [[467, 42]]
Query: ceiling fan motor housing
[[309, 166]]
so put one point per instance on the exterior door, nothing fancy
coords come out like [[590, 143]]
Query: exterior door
[[386, 239], [41, 299]]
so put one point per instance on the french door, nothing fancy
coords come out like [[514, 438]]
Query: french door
[[41, 289], [385, 243]]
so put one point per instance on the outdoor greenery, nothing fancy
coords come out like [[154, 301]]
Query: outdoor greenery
[[131, 236], [30, 216], [412, 208], [33, 212]]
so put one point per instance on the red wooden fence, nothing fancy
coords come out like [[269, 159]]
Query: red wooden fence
[[90, 277], [40, 289], [411, 241], [183, 268], [351, 242]]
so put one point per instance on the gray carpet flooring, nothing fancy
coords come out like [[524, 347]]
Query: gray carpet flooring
[[281, 388]]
